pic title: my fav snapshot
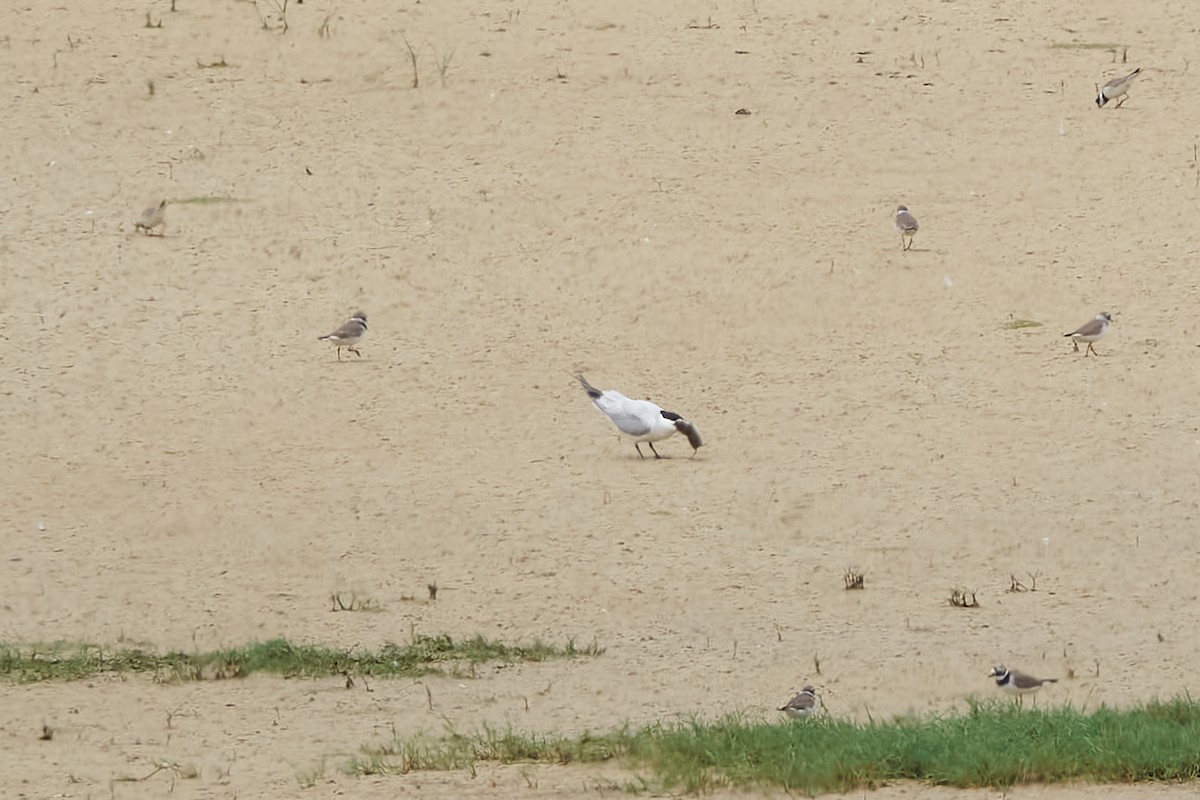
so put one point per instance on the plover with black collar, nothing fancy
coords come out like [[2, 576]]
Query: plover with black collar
[[350, 334], [1016, 682]]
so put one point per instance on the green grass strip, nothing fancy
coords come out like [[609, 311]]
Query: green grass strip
[[206, 200], [423, 656], [1085, 46], [989, 745]]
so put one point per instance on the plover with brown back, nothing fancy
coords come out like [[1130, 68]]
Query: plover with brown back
[[1116, 89], [1090, 332], [153, 217], [803, 704], [1016, 682], [907, 226]]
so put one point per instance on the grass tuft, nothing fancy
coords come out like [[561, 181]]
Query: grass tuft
[[1017, 324], [990, 744], [422, 656]]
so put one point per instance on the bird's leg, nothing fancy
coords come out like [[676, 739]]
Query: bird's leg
[[638, 447], [1076, 343], [339, 352], [652, 450], [355, 351], [1118, 105]]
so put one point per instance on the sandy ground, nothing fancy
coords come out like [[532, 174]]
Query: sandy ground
[[187, 467]]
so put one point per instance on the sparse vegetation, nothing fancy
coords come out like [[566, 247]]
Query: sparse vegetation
[[854, 578], [412, 57], [423, 655], [173, 768], [355, 603], [280, 7], [308, 778], [990, 744], [963, 598], [443, 62], [1017, 324], [205, 200], [1113, 46], [323, 30], [1016, 585]]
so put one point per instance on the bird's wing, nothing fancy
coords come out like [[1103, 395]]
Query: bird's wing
[[801, 701], [1024, 681], [632, 417], [348, 331], [1090, 329]]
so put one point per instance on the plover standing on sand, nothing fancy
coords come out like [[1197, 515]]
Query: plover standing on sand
[[641, 419], [803, 704], [350, 334], [1016, 682], [907, 226], [1090, 332], [1116, 88], [152, 218]]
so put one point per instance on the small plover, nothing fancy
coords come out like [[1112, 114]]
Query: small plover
[[1116, 88], [151, 218], [804, 704], [1016, 682], [907, 226], [641, 419], [1090, 332], [350, 334]]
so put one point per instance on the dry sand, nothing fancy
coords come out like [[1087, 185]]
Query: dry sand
[[577, 193]]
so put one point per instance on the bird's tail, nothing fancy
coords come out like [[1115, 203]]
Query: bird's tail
[[592, 391], [1049, 680]]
